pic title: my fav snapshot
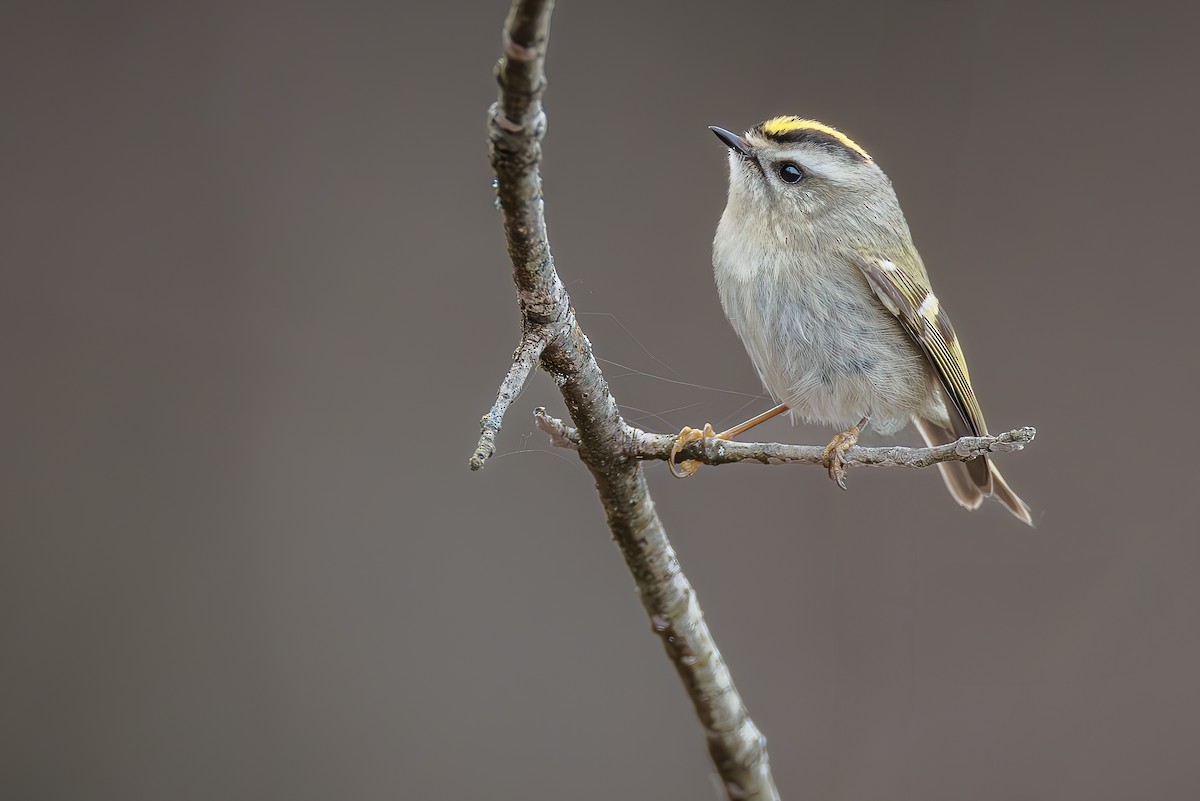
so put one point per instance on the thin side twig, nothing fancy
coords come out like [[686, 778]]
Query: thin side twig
[[525, 359], [516, 125]]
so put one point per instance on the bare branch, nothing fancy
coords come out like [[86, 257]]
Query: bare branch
[[645, 446], [516, 125], [561, 434], [525, 358]]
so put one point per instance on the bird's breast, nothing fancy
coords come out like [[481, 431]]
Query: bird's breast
[[820, 340]]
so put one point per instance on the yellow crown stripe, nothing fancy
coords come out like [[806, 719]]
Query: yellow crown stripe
[[781, 126]]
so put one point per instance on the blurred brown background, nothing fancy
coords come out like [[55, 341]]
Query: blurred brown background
[[255, 300]]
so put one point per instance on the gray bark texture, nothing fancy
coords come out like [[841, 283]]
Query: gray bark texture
[[516, 124], [649, 447]]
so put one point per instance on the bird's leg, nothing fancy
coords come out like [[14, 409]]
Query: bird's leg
[[835, 451], [742, 428], [689, 466]]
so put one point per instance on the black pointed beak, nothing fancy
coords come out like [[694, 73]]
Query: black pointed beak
[[732, 140]]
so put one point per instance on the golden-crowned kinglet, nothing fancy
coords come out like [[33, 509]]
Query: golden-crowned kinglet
[[818, 274]]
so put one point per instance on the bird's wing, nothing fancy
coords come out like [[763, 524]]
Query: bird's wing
[[904, 291]]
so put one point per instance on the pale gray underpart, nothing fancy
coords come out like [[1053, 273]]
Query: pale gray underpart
[[516, 125], [712, 451]]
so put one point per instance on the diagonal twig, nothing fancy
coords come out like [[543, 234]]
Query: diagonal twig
[[516, 125], [525, 359]]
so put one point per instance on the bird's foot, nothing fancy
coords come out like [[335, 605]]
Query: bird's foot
[[835, 452], [688, 467]]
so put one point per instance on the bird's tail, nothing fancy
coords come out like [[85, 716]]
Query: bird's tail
[[971, 482]]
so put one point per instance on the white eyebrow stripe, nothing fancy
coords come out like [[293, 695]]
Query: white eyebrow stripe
[[825, 165]]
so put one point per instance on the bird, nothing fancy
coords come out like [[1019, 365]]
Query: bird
[[817, 273]]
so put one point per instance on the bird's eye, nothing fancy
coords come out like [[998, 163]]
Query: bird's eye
[[790, 173]]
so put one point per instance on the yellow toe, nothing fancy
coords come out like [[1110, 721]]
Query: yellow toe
[[688, 467]]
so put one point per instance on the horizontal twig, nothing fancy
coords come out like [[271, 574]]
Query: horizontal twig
[[646, 446]]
